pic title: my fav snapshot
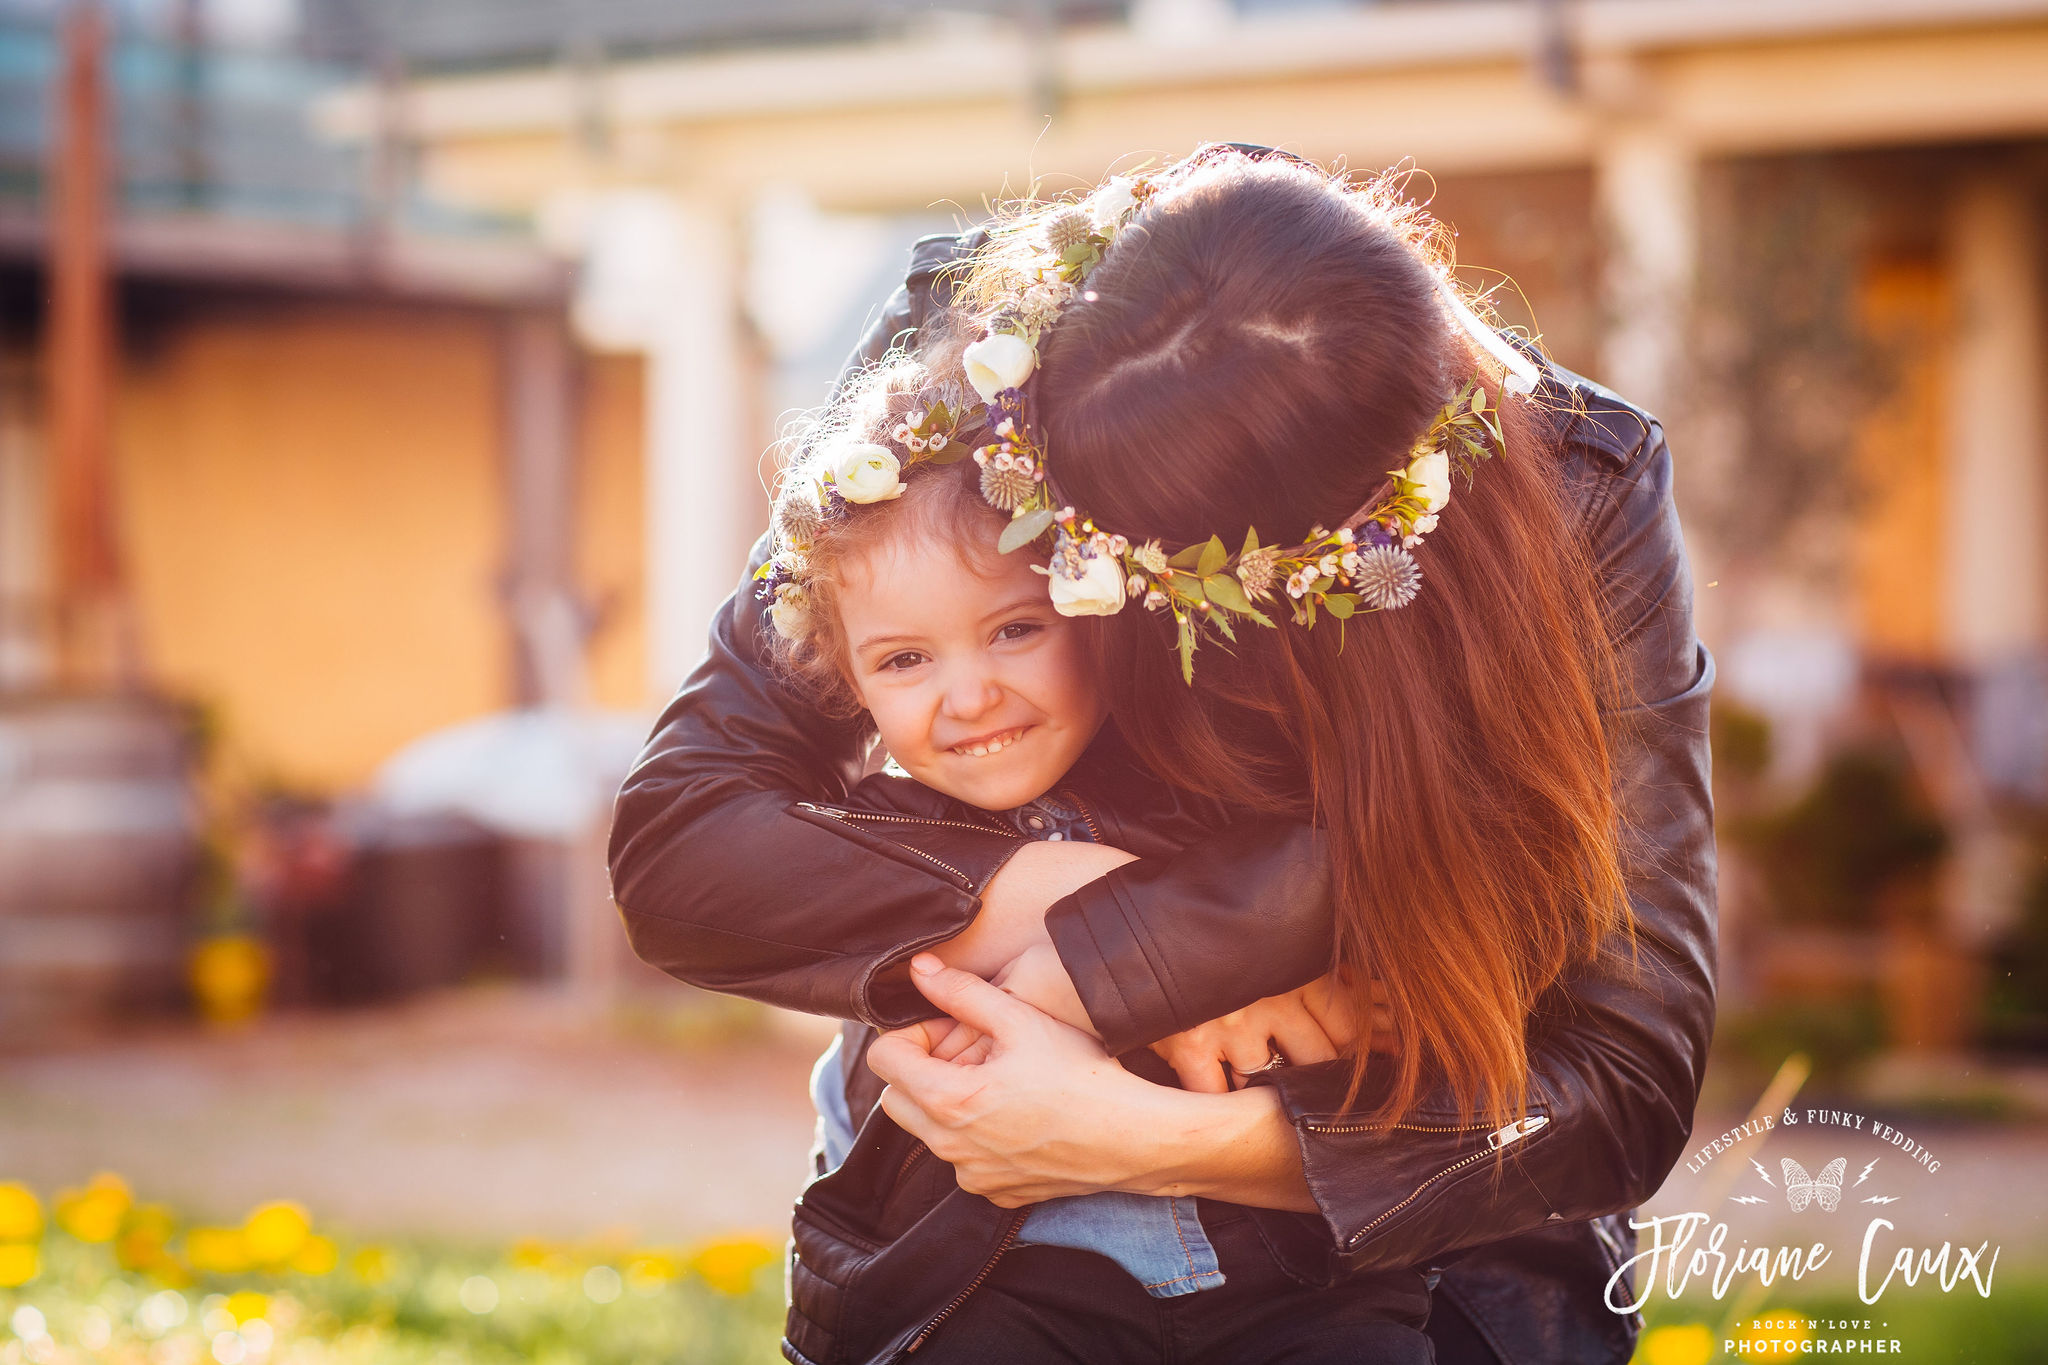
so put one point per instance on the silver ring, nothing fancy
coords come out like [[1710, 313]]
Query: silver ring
[[1279, 1059]]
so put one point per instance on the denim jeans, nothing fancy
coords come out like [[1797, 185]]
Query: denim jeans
[[1044, 1305]]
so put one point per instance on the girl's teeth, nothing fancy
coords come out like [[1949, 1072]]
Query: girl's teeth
[[984, 750]]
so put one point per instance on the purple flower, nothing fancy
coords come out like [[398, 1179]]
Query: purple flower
[[1375, 533]]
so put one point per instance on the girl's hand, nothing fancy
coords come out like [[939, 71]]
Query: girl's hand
[[1312, 1024]]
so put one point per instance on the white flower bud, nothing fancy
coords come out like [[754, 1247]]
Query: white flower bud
[[867, 473], [998, 362]]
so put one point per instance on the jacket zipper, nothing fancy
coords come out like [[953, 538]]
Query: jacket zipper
[[838, 814], [848, 815], [1009, 1238], [1496, 1139], [917, 1149], [1086, 818]]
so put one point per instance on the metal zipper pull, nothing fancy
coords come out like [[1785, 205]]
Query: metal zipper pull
[[1516, 1131]]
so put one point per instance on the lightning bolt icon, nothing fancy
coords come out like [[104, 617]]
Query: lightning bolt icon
[[1762, 1172], [1882, 1199], [1748, 1199], [1866, 1173]]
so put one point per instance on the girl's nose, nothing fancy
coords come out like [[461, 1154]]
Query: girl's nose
[[971, 693]]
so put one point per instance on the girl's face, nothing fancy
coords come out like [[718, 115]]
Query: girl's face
[[979, 688]]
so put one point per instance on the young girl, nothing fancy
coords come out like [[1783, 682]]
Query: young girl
[[896, 602]]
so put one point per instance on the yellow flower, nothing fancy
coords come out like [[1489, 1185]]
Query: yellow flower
[[647, 1271], [1687, 1344], [729, 1266], [530, 1253], [248, 1304], [229, 977], [94, 1214], [218, 1251], [371, 1265], [21, 1213], [143, 1239], [274, 1232], [315, 1256], [19, 1263]]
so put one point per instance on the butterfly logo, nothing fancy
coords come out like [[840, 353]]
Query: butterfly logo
[[1826, 1188]]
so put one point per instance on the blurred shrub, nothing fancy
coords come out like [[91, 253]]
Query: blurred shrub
[[1832, 855], [1751, 1044], [2016, 1003]]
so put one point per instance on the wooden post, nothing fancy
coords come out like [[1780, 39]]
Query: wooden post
[[95, 640], [538, 386]]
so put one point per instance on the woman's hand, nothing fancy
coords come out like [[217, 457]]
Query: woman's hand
[[1045, 1113], [1313, 1024], [1035, 976]]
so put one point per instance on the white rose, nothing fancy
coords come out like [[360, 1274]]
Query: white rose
[[998, 362], [1110, 202], [1431, 475], [867, 473], [790, 613], [1099, 591]]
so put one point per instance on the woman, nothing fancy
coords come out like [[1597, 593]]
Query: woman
[[1612, 1056]]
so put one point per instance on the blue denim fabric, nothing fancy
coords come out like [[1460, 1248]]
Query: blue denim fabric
[[1158, 1239]]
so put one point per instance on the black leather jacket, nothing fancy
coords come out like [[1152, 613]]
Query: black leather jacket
[[740, 865]]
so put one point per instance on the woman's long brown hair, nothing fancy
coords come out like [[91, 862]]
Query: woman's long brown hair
[[1258, 348]]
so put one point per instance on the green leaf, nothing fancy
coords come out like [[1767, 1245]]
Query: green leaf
[[1189, 588], [1213, 555], [1226, 591], [1222, 623], [1188, 558], [954, 452], [1251, 540], [1261, 618], [1340, 605], [1024, 528]]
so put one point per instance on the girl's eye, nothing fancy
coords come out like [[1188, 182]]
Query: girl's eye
[[1018, 630], [897, 663]]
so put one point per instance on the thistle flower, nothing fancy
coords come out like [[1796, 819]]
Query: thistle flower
[[1387, 577], [1066, 227], [1256, 570], [797, 518], [1004, 485]]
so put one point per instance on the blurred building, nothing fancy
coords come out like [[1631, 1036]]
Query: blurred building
[[349, 436]]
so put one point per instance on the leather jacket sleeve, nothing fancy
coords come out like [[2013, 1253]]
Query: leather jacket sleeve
[[1617, 1048]]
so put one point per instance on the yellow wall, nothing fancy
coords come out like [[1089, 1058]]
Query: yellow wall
[[312, 503]]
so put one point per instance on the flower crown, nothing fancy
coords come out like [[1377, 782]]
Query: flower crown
[[1021, 280]]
